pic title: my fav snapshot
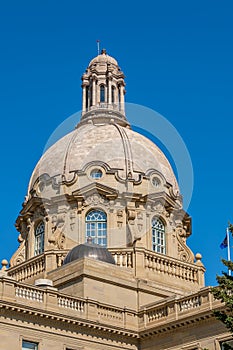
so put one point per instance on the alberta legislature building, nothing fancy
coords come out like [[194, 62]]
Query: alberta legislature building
[[102, 262]]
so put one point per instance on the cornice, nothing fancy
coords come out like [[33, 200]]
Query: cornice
[[68, 320], [172, 326], [49, 306]]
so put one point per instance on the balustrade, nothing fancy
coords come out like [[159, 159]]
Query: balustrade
[[122, 257], [190, 303], [36, 266], [29, 294], [170, 266], [71, 303]]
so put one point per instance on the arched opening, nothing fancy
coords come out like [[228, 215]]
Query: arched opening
[[96, 227], [87, 97], [158, 236], [113, 94], [102, 93], [91, 102], [39, 238], [119, 94]]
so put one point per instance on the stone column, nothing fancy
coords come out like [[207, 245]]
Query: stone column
[[109, 92], [84, 98], [88, 99], [31, 241], [115, 95], [93, 92], [122, 99], [98, 94], [106, 94]]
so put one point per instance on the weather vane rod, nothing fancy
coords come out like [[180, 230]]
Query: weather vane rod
[[98, 46]]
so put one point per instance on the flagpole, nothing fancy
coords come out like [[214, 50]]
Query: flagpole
[[228, 250]]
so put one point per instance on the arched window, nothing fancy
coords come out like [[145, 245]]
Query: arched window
[[158, 236], [102, 93], [113, 94], [96, 227], [39, 238]]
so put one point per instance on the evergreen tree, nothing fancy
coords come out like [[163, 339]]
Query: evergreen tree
[[224, 292]]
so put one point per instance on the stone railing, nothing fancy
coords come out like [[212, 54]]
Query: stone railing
[[109, 313], [123, 257], [154, 265], [157, 314], [71, 303], [179, 308], [49, 300], [29, 294], [103, 105], [190, 303], [168, 266], [28, 269], [141, 261], [35, 267]]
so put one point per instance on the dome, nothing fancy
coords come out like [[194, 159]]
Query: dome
[[89, 250], [103, 58], [119, 149], [102, 166]]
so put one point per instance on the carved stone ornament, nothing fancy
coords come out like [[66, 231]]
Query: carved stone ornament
[[57, 238], [140, 221], [20, 254], [120, 219], [134, 221], [184, 252], [72, 220], [24, 228], [159, 208], [131, 215], [172, 220], [60, 259], [95, 199]]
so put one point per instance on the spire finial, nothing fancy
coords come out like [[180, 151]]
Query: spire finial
[[98, 46], [103, 52], [89, 240]]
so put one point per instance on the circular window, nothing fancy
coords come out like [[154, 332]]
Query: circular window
[[41, 187], [96, 174], [156, 182]]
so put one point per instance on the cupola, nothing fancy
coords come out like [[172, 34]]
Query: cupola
[[103, 88]]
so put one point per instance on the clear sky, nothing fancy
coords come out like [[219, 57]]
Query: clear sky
[[178, 60]]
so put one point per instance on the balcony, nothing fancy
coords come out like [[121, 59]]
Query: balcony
[[51, 304]]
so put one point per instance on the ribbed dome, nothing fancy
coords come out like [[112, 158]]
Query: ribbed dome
[[117, 147], [89, 250], [103, 58]]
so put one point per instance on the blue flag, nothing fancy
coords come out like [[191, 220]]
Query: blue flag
[[224, 243]]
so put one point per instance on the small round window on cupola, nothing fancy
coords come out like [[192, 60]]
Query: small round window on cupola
[[96, 174], [156, 181]]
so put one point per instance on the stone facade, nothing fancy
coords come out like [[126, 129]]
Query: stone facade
[[105, 181]]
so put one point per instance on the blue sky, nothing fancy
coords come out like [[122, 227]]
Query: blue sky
[[177, 57]]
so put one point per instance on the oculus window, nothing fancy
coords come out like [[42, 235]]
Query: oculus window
[[96, 174]]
